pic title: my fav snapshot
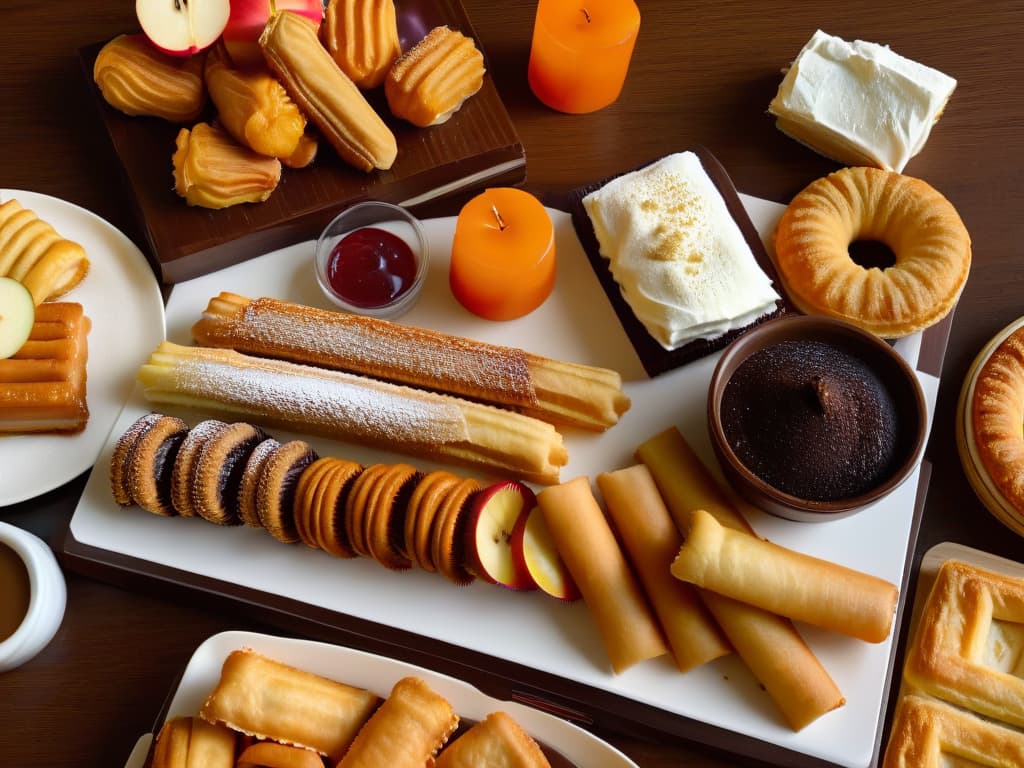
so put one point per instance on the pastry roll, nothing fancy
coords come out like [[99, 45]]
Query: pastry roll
[[267, 699], [189, 742], [768, 644], [590, 551], [362, 37], [969, 647], [410, 727], [652, 541], [782, 581], [930, 734], [497, 741]]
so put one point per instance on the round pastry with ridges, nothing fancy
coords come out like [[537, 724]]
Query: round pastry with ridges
[[997, 412], [152, 463], [930, 243]]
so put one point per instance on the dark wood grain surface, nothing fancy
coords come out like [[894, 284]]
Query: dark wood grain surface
[[703, 73]]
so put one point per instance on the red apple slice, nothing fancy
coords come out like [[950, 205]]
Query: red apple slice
[[17, 316], [534, 550], [183, 27], [249, 17], [492, 518]]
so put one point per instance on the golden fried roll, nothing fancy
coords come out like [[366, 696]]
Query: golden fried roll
[[268, 699], [270, 754], [430, 82], [43, 385], [408, 729], [325, 94], [34, 254], [212, 170], [497, 741], [652, 540], [592, 554], [138, 79], [783, 581], [189, 742], [254, 107], [354, 408], [769, 645], [553, 390], [362, 37]]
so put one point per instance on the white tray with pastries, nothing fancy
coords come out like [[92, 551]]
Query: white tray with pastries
[[528, 636]]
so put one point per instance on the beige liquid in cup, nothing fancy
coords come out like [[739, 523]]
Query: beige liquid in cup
[[15, 591]]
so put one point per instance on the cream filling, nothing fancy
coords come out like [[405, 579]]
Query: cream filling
[[860, 101], [678, 256]]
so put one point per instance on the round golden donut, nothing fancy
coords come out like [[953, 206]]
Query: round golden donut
[[919, 225], [997, 413]]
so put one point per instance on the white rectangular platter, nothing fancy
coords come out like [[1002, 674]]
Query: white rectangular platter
[[529, 629]]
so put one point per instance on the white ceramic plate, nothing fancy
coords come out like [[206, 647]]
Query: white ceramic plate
[[575, 323], [122, 298], [378, 674]]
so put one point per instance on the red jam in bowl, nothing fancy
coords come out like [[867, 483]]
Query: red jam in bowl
[[371, 267]]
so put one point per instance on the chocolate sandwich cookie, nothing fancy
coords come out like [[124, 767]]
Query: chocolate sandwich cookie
[[152, 462], [304, 506], [356, 507], [385, 512], [250, 480], [447, 540], [120, 459], [183, 473], [275, 492], [218, 472], [330, 510], [423, 505]]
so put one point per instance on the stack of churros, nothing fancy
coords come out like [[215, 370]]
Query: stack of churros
[[265, 712], [34, 254], [43, 385], [555, 391]]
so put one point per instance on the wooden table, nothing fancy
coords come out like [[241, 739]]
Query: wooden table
[[702, 73]]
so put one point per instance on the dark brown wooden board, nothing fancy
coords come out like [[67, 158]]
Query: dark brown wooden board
[[477, 147]]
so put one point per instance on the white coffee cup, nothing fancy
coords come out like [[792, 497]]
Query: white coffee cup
[[47, 597]]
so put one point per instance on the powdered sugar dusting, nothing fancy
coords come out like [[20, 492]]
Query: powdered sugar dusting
[[270, 327], [327, 402]]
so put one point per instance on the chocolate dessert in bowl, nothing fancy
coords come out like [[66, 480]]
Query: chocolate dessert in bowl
[[813, 419]]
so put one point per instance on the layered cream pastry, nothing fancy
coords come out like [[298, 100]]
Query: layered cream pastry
[[676, 252], [860, 103]]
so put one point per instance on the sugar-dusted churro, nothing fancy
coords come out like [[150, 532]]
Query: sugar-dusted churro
[[354, 408], [552, 390]]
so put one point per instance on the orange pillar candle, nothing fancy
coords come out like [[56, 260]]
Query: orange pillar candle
[[503, 254], [581, 51]]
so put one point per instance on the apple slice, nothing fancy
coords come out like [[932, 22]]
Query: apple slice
[[492, 517], [249, 17], [183, 27], [17, 316], [534, 551]]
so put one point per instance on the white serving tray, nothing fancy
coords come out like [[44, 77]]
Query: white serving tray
[[377, 674], [531, 630]]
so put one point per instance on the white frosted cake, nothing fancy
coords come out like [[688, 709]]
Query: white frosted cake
[[860, 103], [676, 252]]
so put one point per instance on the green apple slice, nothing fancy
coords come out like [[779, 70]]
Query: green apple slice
[[17, 315]]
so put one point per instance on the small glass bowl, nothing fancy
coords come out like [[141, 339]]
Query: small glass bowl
[[47, 597], [392, 218]]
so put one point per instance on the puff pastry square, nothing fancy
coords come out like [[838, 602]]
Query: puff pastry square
[[929, 734], [969, 648]]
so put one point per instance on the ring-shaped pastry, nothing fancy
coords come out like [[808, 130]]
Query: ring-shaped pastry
[[918, 224]]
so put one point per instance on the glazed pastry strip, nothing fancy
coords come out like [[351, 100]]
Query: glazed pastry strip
[[652, 541], [768, 644], [268, 699], [587, 545]]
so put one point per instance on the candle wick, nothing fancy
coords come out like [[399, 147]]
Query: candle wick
[[586, 14], [501, 221]]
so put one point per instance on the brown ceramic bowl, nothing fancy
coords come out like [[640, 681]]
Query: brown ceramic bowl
[[896, 377]]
